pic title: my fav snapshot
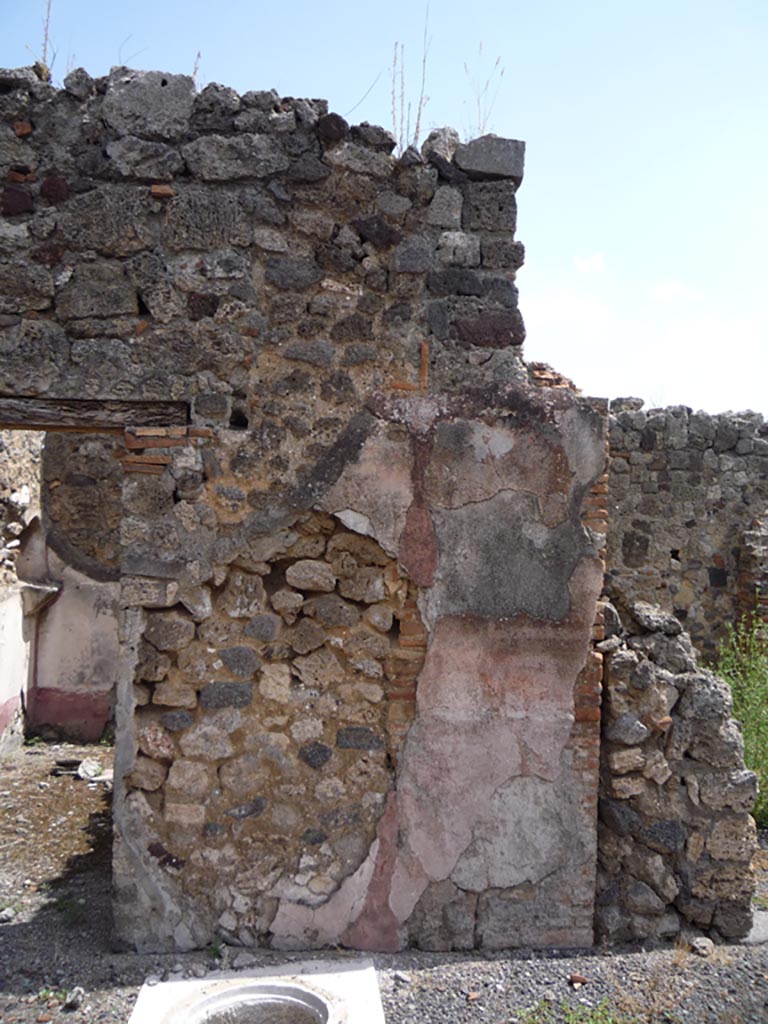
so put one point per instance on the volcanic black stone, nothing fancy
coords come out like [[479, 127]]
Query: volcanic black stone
[[332, 128], [377, 231], [315, 754], [15, 201], [251, 809], [226, 695], [175, 721], [358, 737]]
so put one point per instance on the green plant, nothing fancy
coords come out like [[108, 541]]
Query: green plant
[[569, 1013], [216, 948], [71, 909], [743, 663], [108, 736]]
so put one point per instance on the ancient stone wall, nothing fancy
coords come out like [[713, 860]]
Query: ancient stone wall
[[676, 837], [357, 546], [688, 497]]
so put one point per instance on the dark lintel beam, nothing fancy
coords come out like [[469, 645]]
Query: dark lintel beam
[[88, 416]]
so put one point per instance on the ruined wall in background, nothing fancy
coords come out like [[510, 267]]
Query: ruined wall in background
[[367, 550], [688, 500], [19, 503]]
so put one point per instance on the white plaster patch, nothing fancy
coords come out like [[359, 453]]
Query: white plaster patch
[[527, 834], [301, 927], [355, 521]]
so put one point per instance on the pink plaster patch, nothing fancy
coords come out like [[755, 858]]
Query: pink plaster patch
[[81, 716], [419, 552], [377, 928], [495, 701]]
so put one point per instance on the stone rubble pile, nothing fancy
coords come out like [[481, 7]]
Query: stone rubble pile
[[676, 838]]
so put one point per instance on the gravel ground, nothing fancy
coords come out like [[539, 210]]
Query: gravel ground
[[55, 939]]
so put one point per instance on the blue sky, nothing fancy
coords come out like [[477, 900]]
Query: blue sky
[[644, 208]]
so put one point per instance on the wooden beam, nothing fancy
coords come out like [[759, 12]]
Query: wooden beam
[[88, 416]]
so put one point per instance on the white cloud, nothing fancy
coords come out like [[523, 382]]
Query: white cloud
[[677, 291], [708, 357], [594, 264]]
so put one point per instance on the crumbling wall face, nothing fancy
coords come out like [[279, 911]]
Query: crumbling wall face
[[676, 838], [688, 490], [309, 693], [19, 503]]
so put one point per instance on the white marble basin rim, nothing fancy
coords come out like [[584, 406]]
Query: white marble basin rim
[[311, 992]]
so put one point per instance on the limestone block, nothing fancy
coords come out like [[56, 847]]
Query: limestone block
[[310, 574], [443, 919], [706, 697], [228, 158], [657, 769], [147, 774], [275, 683], [654, 619], [190, 779], [627, 786], [198, 218], [97, 290], [150, 104], [380, 616], [243, 775], [736, 790], [331, 611], [641, 899], [147, 592], [306, 636], [627, 729], [169, 631], [155, 742], [733, 839], [458, 249], [244, 595], [24, 286], [141, 158], [174, 693], [186, 815], [622, 761], [151, 665], [366, 585], [208, 739], [320, 669], [356, 158], [721, 747]]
